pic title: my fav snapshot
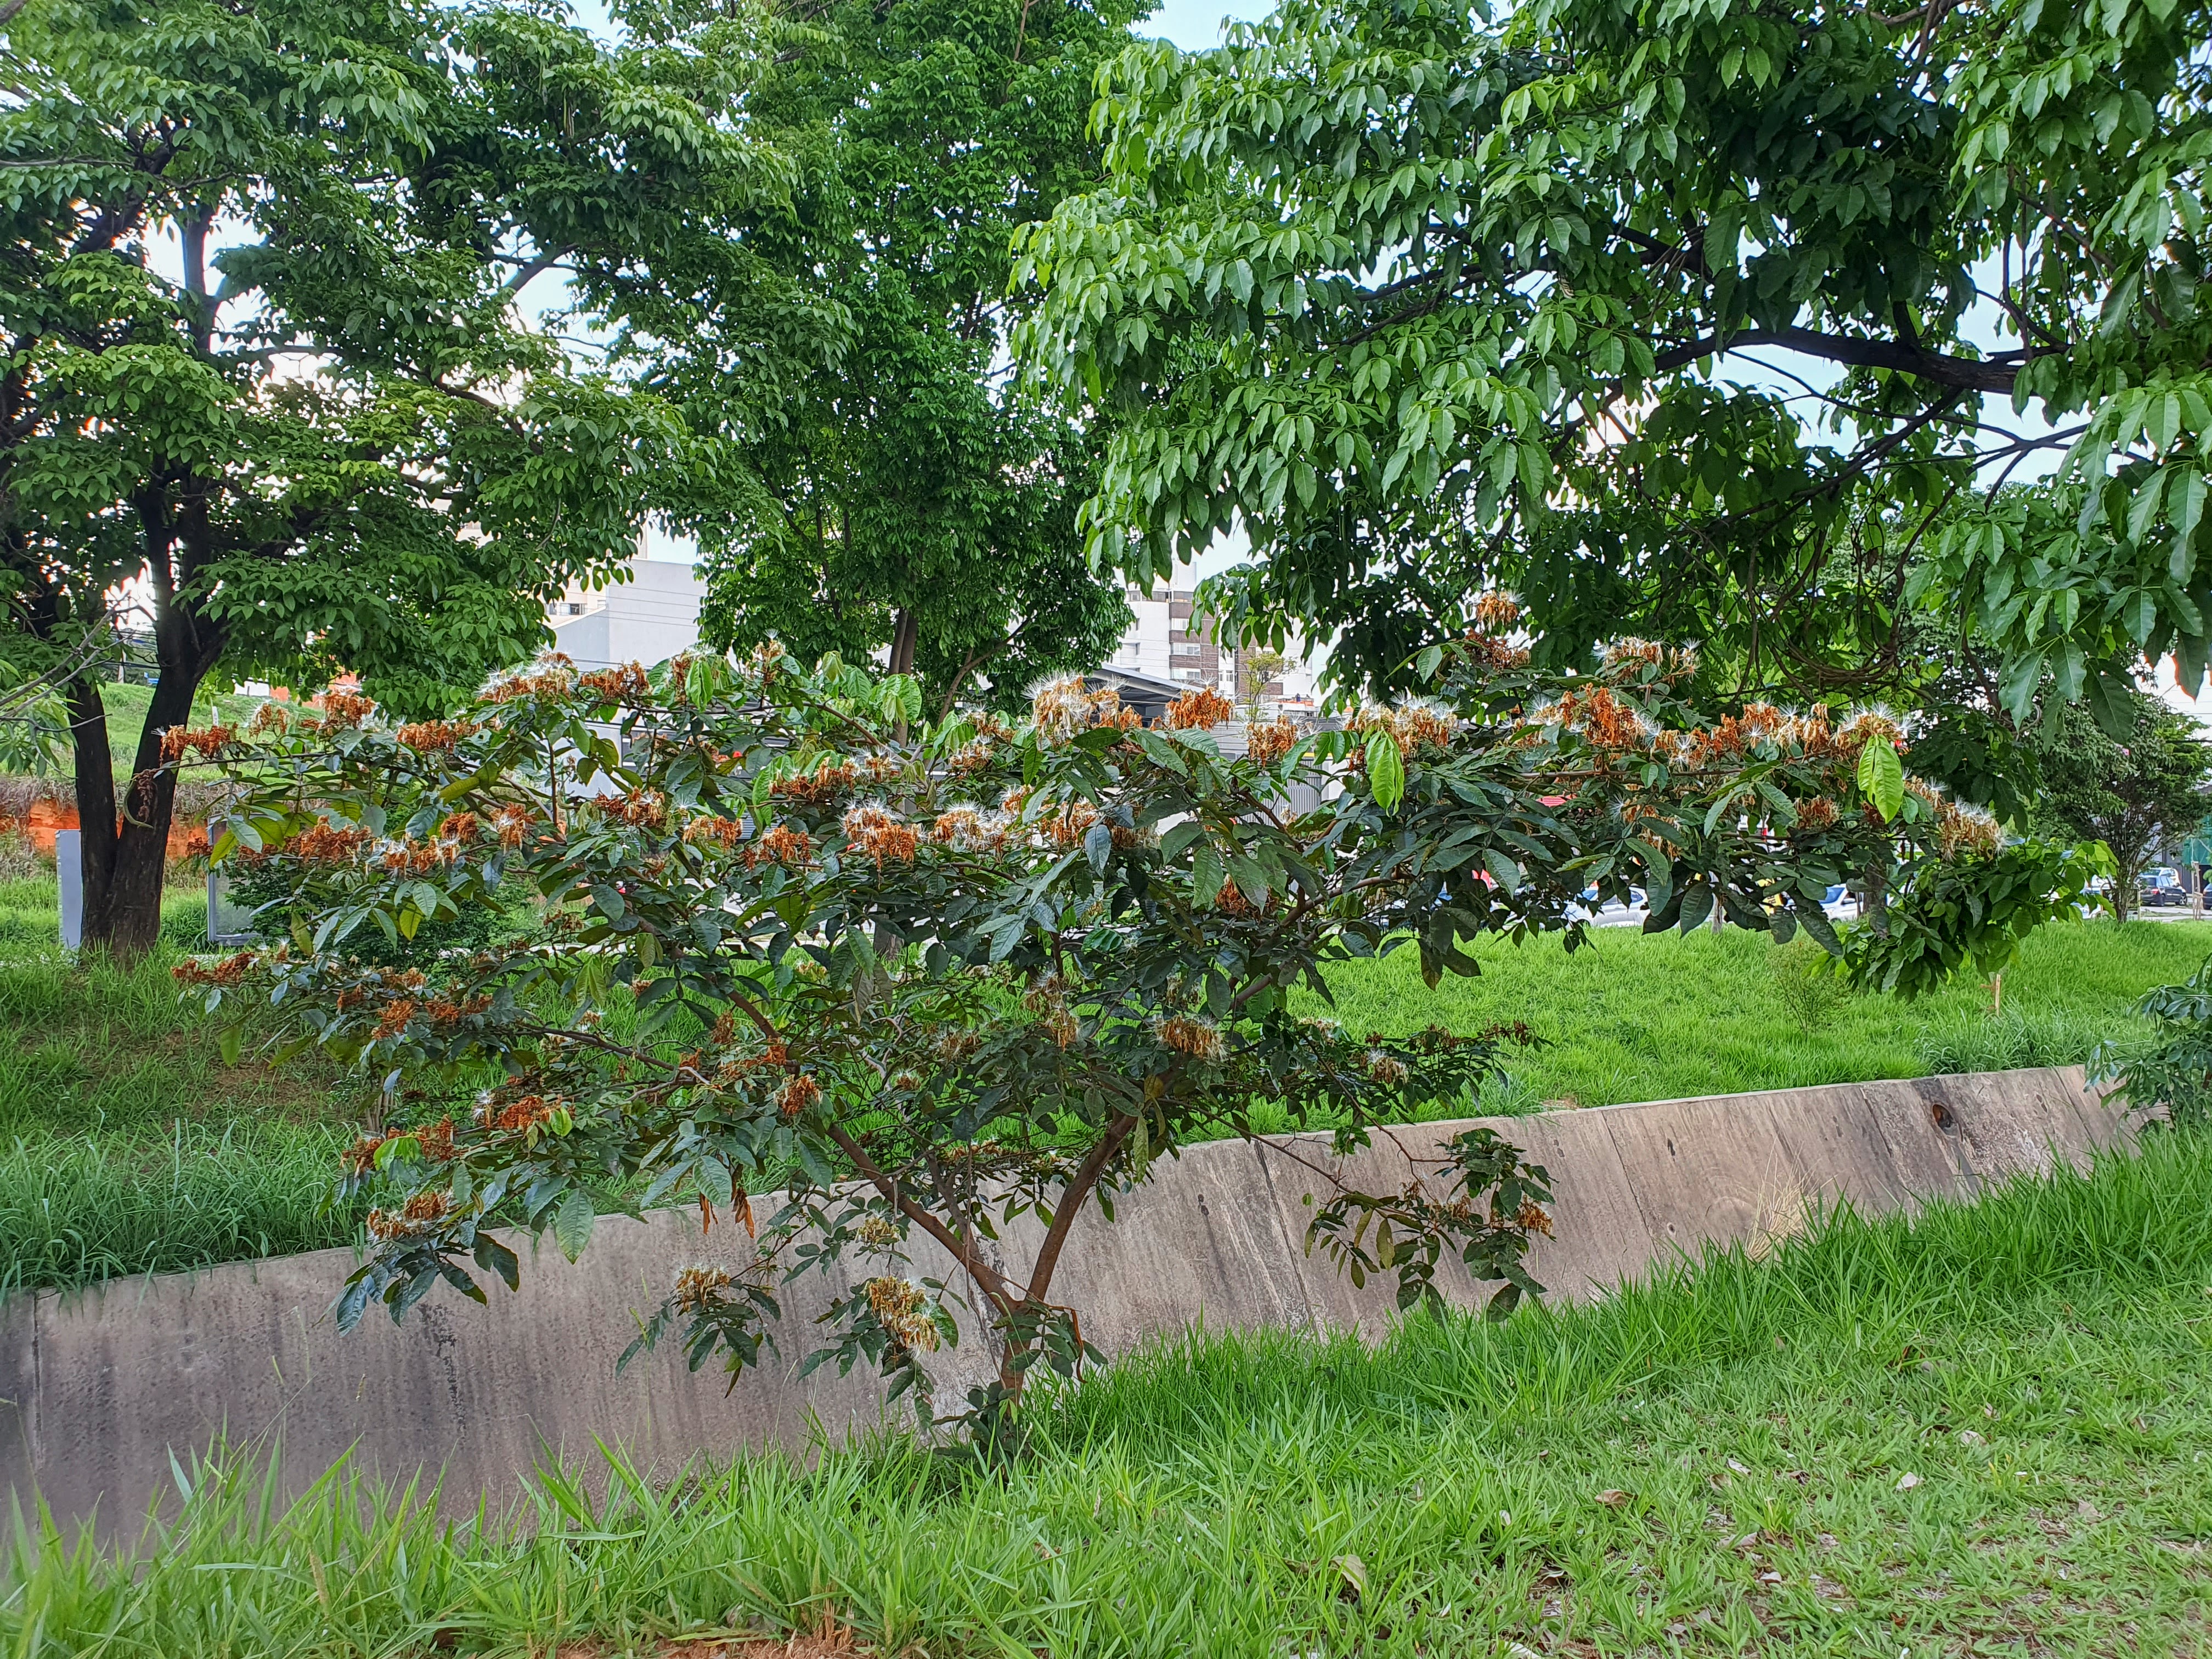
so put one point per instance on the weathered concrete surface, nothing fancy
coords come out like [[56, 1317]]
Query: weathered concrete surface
[[97, 1389]]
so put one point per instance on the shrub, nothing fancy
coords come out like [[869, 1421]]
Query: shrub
[[2171, 1065], [1805, 980], [916, 977]]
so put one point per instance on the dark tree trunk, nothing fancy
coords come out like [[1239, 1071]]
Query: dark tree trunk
[[904, 634], [126, 844]]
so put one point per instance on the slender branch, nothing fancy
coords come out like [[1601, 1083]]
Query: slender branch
[[1995, 373], [994, 1284], [1072, 1197]]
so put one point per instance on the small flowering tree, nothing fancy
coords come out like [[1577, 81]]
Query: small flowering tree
[[894, 978]]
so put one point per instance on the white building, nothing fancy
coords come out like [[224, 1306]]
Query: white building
[[1170, 640], [646, 619]]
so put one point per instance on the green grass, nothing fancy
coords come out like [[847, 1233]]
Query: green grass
[[1715, 1463], [1637, 1017], [126, 1145]]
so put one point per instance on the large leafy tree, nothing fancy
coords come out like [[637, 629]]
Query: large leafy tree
[[1102, 928], [2137, 793], [266, 374], [1432, 303], [898, 499]]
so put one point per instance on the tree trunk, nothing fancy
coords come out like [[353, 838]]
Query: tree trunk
[[125, 846], [903, 638]]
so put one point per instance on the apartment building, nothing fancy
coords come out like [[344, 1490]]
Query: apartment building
[[1171, 639], [647, 619]]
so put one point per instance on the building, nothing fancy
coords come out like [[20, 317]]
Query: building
[[1170, 639], [646, 619]]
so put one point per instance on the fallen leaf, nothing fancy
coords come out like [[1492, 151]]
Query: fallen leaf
[[1907, 1481], [1968, 1437], [1770, 1578], [1737, 1467], [1613, 1498], [1355, 1574]]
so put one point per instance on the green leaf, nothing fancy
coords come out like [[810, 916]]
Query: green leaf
[[572, 1222], [1386, 770], [1881, 778], [1205, 874]]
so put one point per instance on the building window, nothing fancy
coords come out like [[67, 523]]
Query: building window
[[1187, 648]]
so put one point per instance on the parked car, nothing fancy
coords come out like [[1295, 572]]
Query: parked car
[[2162, 889]]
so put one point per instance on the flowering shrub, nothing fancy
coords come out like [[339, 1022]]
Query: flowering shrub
[[896, 979]]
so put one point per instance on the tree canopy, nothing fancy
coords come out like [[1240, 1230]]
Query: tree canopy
[[266, 371], [2138, 792], [897, 497], [1434, 303], [941, 979]]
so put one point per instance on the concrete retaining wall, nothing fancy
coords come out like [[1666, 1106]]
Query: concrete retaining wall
[[99, 1386]]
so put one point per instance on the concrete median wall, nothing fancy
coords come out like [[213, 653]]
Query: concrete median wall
[[101, 1387]]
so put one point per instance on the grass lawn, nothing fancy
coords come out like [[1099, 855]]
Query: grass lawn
[[126, 1145], [1637, 1017], [1983, 1432]]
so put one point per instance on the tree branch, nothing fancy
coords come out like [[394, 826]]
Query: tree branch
[[1995, 373]]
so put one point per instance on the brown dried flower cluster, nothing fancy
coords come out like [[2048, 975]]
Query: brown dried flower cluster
[[513, 824], [991, 734], [643, 808], [1231, 902], [344, 710], [1063, 708], [1494, 656], [877, 1232], [179, 741], [965, 830], [523, 1113], [700, 831], [879, 834], [816, 788], [421, 1214], [796, 1096], [1200, 1039], [436, 1141], [1384, 1068], [1497, 613], [1270, 743], [699, 1288], [1631, 659], [901, 1306], [1199, 709], [414, 858], [614, 684], [1964, 831], [1532, 1217], [231, 970], [1601, 719], [1413, 727], [552, 678], [780, 843], [1815, 816], [435, 737], [1068, 826], [327, 843]]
